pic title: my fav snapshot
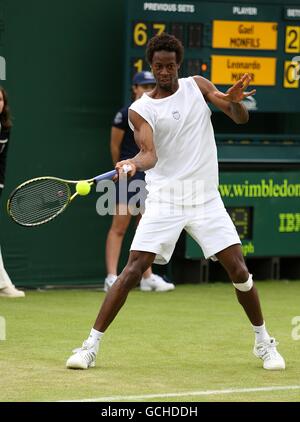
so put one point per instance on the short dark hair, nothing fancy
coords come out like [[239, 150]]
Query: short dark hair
[[164, 42]]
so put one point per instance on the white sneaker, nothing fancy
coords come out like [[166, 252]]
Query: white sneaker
[[11, 291], [109, 281], [156, 283], [84, 357], [268, 353]]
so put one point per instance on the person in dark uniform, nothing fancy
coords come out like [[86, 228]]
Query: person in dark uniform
[[7, 289], [123, 146]]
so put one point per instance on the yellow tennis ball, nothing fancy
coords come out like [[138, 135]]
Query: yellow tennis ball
[[83, 187]]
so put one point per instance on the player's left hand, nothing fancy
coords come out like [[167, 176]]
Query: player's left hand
[[236, 93]]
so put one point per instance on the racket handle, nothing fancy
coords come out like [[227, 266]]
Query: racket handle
[[105, 176], [110, 174]]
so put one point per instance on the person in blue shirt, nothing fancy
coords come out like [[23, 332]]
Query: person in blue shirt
[[123, 146]]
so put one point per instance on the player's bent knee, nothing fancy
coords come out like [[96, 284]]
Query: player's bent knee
[[246, 286], [238, 272]]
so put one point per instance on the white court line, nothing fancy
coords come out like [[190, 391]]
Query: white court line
[[188, 393]]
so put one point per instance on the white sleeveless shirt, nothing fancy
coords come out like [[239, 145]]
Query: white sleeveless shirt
[[185, 146]]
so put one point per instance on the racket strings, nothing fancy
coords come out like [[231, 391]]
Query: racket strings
[[39, 201]]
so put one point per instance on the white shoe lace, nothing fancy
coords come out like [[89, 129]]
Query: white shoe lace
[[86, 345], [268, 350]]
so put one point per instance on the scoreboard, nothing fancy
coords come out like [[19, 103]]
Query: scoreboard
[[224, 40]]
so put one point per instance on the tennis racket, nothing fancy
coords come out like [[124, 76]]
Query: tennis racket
[[40, 200]]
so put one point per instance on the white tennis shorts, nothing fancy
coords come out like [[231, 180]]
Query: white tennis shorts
[[208, 224]]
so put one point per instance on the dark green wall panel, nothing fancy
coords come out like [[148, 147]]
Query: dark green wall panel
[[64, 79]]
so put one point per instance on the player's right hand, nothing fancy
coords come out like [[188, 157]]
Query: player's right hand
[[125, 167]]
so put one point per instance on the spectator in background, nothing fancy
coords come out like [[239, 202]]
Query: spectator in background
[[123, 147], [7, 289]]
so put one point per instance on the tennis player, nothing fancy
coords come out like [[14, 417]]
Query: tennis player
[[173, 129]]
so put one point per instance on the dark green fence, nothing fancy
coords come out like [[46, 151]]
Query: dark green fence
[[64, 72]]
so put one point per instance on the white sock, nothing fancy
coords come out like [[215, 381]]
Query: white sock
[[111, 276], [261, 333], [95, 336]]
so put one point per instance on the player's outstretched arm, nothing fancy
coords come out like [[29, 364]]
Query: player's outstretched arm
[[143, 135], [229, 102]]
